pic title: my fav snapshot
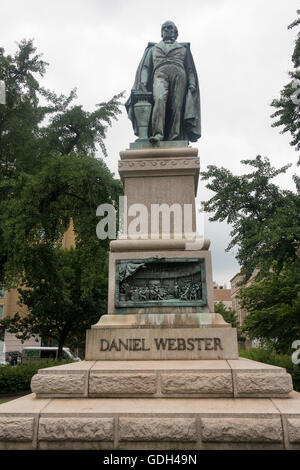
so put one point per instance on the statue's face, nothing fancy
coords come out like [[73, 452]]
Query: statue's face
[[168, 31]]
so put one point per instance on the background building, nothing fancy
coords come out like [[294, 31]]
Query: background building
[[235, 289], [241, 313]]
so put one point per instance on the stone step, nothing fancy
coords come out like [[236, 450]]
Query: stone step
[[163, 379], [149, 423]]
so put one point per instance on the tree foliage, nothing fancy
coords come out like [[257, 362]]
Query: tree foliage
[[229, 316], [31, 131], [36, 218], [265, 219], [288, 105], [266, 232], [273, 305], [55, 296], [50, 175]]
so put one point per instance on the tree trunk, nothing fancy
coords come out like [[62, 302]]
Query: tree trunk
[[61, 343]]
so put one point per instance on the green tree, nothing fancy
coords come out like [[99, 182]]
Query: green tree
[[288, 105], [49, 176], [36, 218], [31, 131], [266, 232], [21, 116], [274, 309], [265, 219], [65, 293], [58, 306]]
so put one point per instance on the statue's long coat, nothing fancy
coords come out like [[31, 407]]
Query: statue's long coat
[[191, 125]]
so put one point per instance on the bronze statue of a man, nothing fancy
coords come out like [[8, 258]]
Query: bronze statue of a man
[[167, 70]]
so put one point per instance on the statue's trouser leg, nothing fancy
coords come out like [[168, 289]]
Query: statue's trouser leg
[[160, 95], [177, 91]]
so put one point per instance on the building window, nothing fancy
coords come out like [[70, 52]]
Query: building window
[[1, 311], [2, 292]]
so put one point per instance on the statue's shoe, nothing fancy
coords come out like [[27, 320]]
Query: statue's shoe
[[155, 138]]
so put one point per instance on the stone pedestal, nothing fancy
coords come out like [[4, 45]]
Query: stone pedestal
[[160, 296], [161, 369], [161, 176]]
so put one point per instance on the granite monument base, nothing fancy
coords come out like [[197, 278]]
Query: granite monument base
[[153, 423], [163, 379]]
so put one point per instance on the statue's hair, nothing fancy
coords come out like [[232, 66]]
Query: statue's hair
[[170, 22]]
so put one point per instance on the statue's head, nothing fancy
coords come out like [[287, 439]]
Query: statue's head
[[169, 30]]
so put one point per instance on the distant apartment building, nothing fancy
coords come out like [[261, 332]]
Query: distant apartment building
[[235, 289]]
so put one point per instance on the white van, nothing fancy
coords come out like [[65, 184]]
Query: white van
[[36, 353]]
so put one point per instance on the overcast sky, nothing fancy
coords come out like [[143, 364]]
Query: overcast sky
[[241, 48]]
